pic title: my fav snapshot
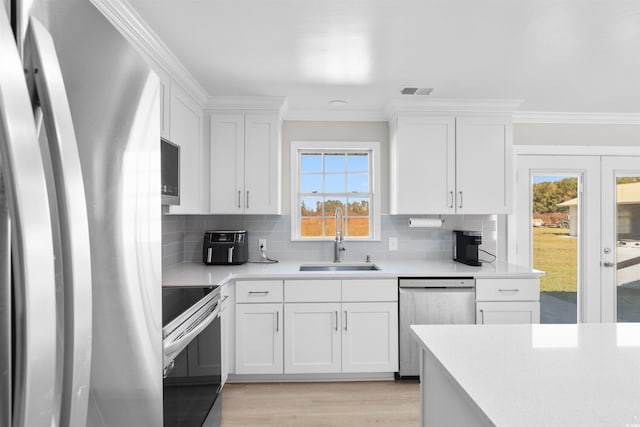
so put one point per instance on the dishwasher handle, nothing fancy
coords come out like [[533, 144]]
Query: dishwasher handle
[[437, 283]]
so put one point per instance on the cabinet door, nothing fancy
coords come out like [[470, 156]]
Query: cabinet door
[[370, 337], [511, 312], [423, 165], [186, 131], [312, 338], [262, 164], [483, 165], [259, 338], [227, 164], [165, 102]]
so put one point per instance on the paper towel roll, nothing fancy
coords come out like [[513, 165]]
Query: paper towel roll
[[425, 222]]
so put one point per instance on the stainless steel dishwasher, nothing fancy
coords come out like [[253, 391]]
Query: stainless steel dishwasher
[[431, 301]]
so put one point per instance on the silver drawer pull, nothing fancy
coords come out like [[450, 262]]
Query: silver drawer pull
[[508, 290], [258, 292]]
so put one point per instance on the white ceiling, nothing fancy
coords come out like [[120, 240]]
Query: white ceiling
[[555, 55]]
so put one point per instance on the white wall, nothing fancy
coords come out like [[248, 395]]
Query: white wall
[[576, 134], [335, 131]]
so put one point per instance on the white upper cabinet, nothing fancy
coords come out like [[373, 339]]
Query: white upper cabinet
[[186, 130], [245, 163], [443, 164], [483, 165]]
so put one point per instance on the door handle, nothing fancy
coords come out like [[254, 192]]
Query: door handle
[[460, 193], [609, 264]]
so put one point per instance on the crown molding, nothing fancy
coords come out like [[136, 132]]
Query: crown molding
[[250, 103], [422, 105], [576, 118], [336, 115], [126, 20]]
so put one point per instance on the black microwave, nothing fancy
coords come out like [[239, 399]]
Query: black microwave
[[170, 171]]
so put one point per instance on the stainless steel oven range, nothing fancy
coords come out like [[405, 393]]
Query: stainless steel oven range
[[192, 356]]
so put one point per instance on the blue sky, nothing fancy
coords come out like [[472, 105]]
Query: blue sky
[[541, 178]]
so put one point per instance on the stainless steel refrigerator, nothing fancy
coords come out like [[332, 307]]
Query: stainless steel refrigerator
[[80, 261]]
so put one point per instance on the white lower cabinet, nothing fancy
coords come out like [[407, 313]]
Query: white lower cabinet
[[370, 337], [507, 312], [507, 301], [312, 338], [259, 338]]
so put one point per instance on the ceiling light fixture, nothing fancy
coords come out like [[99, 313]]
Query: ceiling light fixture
[[338, 103]]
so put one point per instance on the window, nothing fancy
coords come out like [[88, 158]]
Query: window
[[330, 175]]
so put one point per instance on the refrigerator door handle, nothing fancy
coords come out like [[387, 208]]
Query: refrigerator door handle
[[44, 79], [32, 255], [5, 307]]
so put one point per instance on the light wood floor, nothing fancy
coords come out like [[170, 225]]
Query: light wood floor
[[376, 403]]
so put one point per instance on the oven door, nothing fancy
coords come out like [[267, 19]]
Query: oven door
[[192, 376]]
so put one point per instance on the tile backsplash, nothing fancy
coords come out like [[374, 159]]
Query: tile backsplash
[[182, 238]]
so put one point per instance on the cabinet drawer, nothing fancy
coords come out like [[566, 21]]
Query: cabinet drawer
[[312, 290], [370, 290], [258, 291], [507, 290]]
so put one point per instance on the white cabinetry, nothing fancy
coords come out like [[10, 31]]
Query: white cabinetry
[[186, 130], [507, 301], [443, 164], [329, 334], [259, 327], [245, 163]]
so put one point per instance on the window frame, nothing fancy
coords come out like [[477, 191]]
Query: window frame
[[373, 148]]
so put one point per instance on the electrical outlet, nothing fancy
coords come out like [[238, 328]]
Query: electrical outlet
[[262, 246], [393, 243]]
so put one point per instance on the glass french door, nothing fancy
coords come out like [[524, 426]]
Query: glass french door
[[557, 211], [620, 250]]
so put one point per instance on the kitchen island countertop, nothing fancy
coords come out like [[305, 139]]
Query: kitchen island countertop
[[531, 375], [198, 274]]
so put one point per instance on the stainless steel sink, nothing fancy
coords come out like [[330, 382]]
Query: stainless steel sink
[[340, 267]]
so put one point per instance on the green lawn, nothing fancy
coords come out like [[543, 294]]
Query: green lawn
[[555, 253]]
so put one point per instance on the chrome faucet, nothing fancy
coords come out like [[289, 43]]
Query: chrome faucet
[[339, 242]]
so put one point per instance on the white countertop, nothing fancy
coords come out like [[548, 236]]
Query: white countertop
[[544, 375], [197, 274]]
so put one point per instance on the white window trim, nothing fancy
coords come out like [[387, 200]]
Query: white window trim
[[373, 147]]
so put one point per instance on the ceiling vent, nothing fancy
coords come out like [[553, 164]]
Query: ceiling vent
[[416, 90]]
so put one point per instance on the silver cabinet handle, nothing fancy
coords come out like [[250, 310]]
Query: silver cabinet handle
[[336, 320], [277, 321], [246, 205], [239, 195], [481, 317], [258, 292], [609, 264], [345, 320], [451, 199], [460, 193], [509, 290]]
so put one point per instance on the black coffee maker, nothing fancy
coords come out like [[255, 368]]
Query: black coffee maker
[[465, 247]]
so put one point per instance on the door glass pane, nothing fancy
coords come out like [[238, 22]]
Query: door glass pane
[[555, 223], [628, 248]]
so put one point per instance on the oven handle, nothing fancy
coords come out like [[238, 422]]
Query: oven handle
[[170, 347]]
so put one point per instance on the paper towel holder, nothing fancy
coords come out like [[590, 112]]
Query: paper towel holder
[[426, 222]]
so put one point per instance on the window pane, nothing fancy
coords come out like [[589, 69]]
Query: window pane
[[311, 227], [358, 227], [358, 182], [311, 206], [335, 183], [331, 204], [311, 183], [334, 162], [311, 162], [358, 206], [358, 162], [330, 226]]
